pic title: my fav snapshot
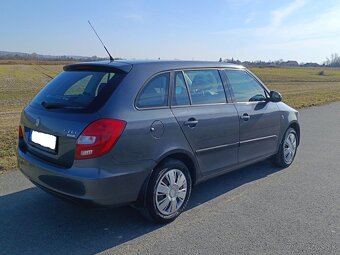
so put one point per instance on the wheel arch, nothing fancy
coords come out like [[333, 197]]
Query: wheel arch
[[186, 157], [295, 125]]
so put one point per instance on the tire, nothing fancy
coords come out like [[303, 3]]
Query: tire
[[169, 187], [287, 146]]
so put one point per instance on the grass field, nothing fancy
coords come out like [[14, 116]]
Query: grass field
[[18, 84], [300, 87]]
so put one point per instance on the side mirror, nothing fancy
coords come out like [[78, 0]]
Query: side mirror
[[275, 96]]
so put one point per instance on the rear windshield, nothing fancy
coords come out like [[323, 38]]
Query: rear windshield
[[78, 90]]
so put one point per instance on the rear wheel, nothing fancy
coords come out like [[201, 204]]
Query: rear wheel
[[168, 191], [287, 150]]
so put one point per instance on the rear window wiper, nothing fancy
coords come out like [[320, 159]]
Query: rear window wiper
[[53, 105], [48, 105]]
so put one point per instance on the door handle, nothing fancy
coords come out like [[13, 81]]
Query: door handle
[[192, 122], [245, 116]]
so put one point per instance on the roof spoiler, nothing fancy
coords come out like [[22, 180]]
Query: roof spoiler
[[100, 67]]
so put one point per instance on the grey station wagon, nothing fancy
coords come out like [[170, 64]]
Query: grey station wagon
[[144, 132]]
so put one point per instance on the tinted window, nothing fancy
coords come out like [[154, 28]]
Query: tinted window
[[245, 87], [78, 89], [205, 86], [181, 96], [155, 92]]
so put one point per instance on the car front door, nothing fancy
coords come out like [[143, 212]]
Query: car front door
[[259, 119], [208, 121]]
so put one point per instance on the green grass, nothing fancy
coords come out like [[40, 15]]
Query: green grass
[[300, 87]]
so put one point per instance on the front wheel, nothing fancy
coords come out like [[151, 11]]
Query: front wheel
[[287, 150], [168, 191]]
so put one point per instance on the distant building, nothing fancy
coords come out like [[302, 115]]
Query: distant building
[[310, 65], [289, 63]]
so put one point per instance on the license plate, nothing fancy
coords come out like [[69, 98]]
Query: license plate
[[45, 140]]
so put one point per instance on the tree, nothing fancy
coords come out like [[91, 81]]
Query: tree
[[333, 61]]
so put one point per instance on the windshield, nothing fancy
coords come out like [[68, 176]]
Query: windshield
[[78, 90]]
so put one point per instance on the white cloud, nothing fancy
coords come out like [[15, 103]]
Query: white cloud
[[323, 26], [279, 15], [308, 38]]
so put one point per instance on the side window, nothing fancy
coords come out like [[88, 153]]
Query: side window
[[155, 92], [205, 86], [180, 96], [245, 87]]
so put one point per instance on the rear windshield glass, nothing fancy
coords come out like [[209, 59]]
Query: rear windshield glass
[[78, 90]]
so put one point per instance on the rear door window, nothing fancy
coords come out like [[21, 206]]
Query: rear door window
[[205, 86], [155, 92]]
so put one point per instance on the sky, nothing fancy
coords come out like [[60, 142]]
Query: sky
[[302, 30]]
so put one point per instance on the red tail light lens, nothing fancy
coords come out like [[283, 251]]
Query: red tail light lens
[[21, 134], [98, 138]]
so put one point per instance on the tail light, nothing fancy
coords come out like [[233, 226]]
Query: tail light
[[20, 133], [98, 138]]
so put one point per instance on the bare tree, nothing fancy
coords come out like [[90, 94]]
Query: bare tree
[[333, 61]]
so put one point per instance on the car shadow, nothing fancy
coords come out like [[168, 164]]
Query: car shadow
[[33, 222]]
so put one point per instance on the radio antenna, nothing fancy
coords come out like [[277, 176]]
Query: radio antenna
[[111, 58]]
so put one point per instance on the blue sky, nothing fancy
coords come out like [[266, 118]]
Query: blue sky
[[304, 30]]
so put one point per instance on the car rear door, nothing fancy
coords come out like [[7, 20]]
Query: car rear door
[[259, 119], [208, 121]]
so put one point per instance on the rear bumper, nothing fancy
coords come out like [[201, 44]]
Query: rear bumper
[[117, 186]]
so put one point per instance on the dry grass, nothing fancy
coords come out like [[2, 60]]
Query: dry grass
[[301, 87], [18, 84], [34, 62]]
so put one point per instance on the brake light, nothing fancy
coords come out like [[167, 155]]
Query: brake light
[[21, 134], [98, 138]]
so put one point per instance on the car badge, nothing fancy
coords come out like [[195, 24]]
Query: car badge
[[37, 122], [70, 133]]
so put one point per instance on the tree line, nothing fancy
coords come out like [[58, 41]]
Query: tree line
[[332, 61]]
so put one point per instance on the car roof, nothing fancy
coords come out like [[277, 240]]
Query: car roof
[[155, 65]]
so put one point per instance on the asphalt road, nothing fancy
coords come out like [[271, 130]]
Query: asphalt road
[[255, 210]]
